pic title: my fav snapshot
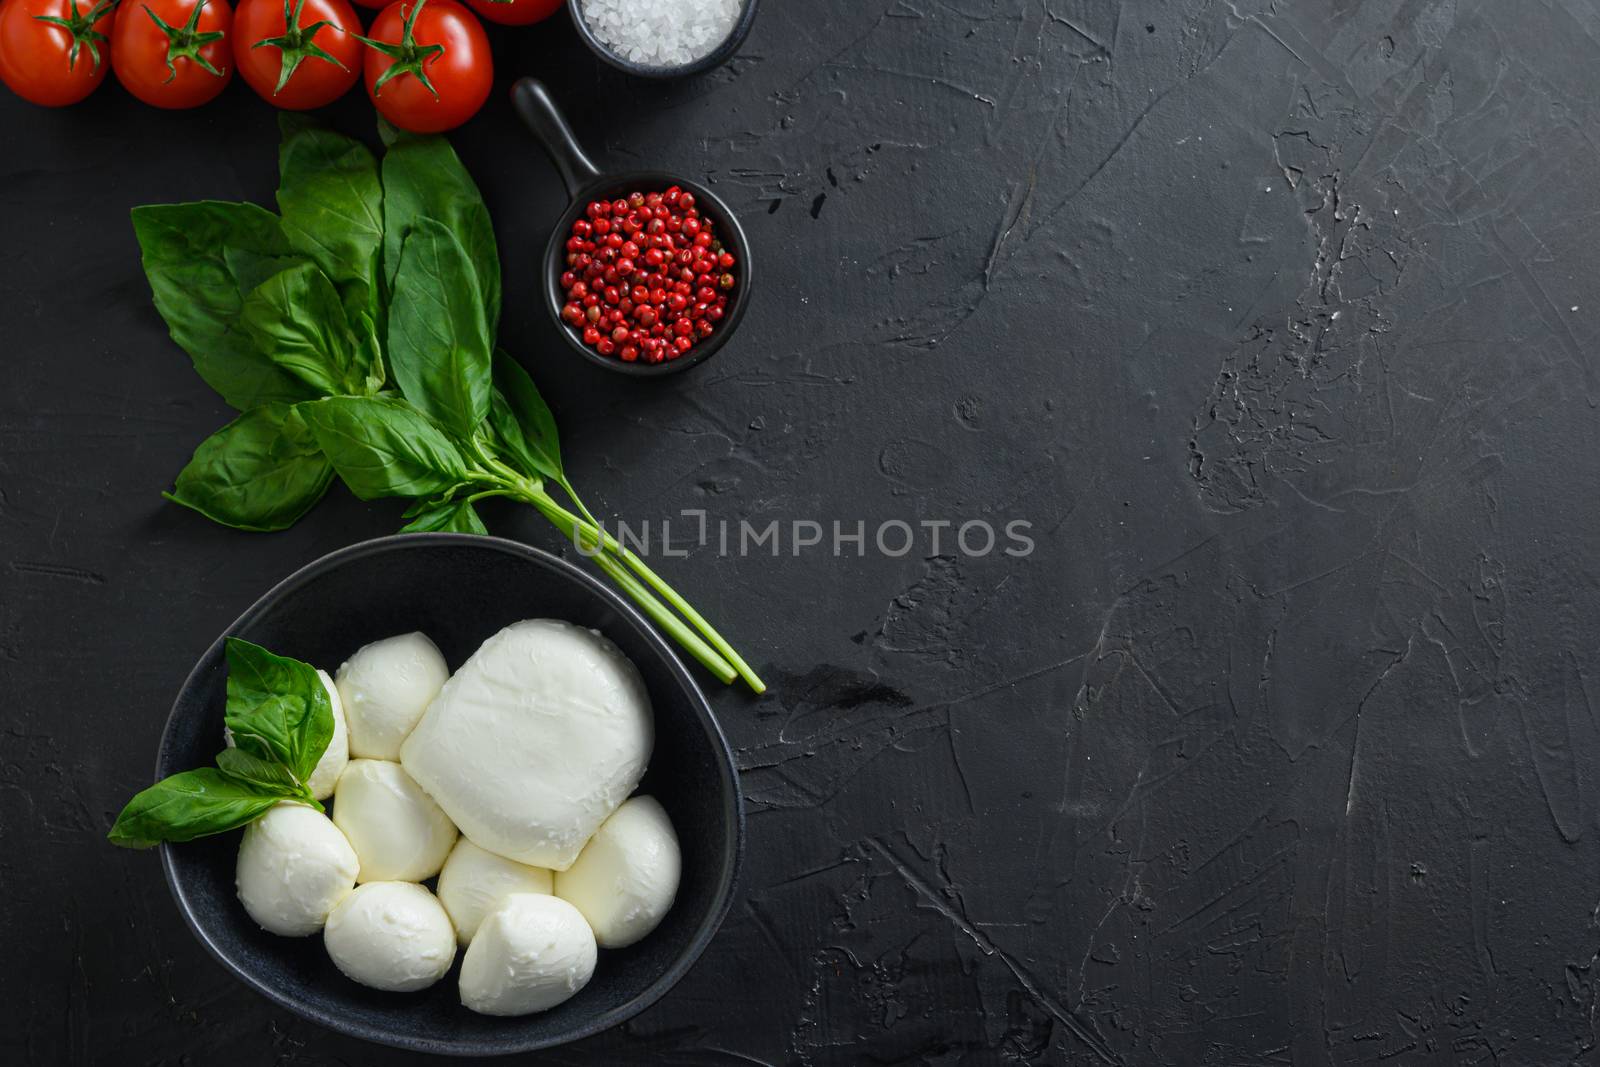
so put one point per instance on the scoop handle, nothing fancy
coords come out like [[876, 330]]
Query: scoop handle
[[544, 120]]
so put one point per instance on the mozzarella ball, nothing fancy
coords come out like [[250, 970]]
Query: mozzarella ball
[[386, 686], [535, 741], [531, 954], [294, 866], [325, 775], [391, 935], [398, 832], [475, 882], [626, 877]]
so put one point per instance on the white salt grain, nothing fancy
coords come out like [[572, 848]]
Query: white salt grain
[[661, 33]]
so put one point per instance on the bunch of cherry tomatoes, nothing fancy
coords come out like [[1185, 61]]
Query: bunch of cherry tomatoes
[[426, 63]]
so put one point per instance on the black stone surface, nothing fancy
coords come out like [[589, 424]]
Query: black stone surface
[[1276, 320]]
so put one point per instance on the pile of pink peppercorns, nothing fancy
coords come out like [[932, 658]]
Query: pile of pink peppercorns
[[646, 279]]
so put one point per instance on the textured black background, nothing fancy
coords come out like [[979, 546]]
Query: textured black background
[[1275, 319]]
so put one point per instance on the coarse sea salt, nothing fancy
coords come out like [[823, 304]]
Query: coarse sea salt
[[661, 33]]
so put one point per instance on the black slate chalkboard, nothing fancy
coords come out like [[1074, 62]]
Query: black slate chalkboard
[[1276, 322]]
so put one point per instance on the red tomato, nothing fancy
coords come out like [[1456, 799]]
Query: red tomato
[[173, 53], [428, 65], [314, 64], [380, 4], [516, 12], [55, 52]]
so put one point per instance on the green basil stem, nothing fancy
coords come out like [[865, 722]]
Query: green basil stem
[[585, 537], [659, 584], [667, 620], [532, 492]]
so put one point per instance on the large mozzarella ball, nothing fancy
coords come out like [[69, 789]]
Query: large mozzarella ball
[[398, 832], [475, 882], [391, 935], [325, 775], [626, 877], [386, 686], [530, 955], [535, 741], [294, 867]]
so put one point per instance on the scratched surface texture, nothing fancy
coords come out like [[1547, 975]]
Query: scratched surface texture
[[1278, 323]]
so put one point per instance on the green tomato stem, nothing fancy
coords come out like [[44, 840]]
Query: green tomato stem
[[409, 57], [185, 42], [297, 43]]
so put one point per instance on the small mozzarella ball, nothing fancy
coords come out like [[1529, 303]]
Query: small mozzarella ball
[[475, 882], [386, 686], [325, 775], [626, 877], [398, 832], [531, 954], [391, 935], [294, 867]]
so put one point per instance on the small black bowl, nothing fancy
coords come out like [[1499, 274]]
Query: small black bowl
[[716, 57], [459, 589], [584, 183]]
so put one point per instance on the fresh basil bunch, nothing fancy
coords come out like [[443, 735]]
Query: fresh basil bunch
[[355, 332], [281, 721]]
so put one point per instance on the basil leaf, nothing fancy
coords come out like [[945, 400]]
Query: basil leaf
[[440, 345], [270, 775], [455, 516], [260, 472], [522, 420], [331, 200], [277, 708], [189, 805], [369, 352], [297, 318], [200, 260], [424, 179], [384, 447], [389, 133]]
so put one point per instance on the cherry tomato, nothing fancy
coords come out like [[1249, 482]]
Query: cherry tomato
[[313, 64], [173, 53], [428, 65], [516, 12], [55, 52]]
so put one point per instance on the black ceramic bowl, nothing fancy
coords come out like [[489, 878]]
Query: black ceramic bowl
[[458, 589], [716, 57], [585, 183]]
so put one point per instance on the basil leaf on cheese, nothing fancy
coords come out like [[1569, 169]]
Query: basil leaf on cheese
[[190, 805]]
